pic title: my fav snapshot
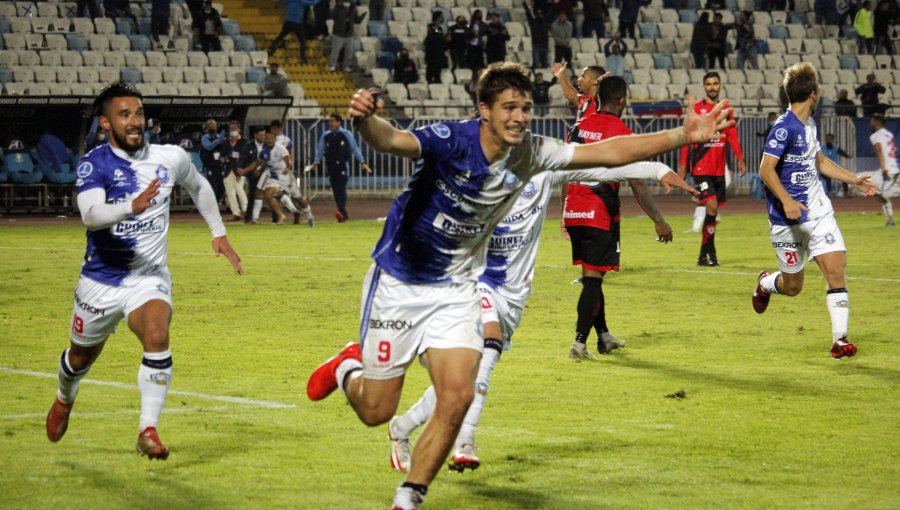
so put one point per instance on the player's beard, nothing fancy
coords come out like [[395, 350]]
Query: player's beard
[[121, 140], [712, 96]]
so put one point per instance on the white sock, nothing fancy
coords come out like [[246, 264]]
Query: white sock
[[768, 283], [417, 415], [154, 378], [888, 209], [288, 203], [407, 498], [346, 366], [307, 212], [699, 216], [257, 208], [839, 309], [466, 434], [68, 379]]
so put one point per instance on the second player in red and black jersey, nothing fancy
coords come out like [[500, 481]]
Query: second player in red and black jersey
[[706, 162], [591, 217]]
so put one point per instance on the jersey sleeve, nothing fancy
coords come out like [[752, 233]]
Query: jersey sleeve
[[88, 176], [184, 167], [551, 154], [777, 141], [433, 139], [734, 140]]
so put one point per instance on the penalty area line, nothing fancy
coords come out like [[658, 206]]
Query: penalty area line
[[123, 386]]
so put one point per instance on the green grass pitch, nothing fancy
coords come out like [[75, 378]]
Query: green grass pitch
[[769, 420]]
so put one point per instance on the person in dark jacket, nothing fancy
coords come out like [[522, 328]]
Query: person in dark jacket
[[337, 146], [159, 21], [595, 15], [628, 15], [294, 23], [342, 33], [717, 41], [458, 37], [700, 40], [883, 18], [435, 48], [475, 50], [213, 156], [405, 71], [496, 35], [540, 38], [207, 27]]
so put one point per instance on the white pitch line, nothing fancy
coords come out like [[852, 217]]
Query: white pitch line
[[745, 273], [204, 396], [169, 410], [199, 254]]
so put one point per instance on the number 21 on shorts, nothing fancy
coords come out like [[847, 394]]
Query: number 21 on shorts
[[790, 258]]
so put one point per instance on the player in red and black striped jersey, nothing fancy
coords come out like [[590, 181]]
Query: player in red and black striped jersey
[[591, 217], [582, 97], [706, 162]]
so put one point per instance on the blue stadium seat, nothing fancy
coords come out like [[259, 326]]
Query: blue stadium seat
[[687, 16], [502, 11], [62, 175], [385, 59], [77, 42], [140, 42], [231, 27], [797, 18], [5, 75], [648, 30], [21, 169], [778, 32], [195, 159], [4, 26], [244, 43], [391, 45], [378, 29], [663, 61], [762, 47], [3, 175], [124, 26], [849, 62], [849, 32], [130, 75], [144, 26], [255, 75]]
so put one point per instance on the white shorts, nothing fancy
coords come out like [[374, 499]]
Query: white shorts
[[400, 321], [795, 244], [497, 308], [99, 307], [890, 187]]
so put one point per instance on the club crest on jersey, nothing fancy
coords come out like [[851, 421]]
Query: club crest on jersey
[[529, 190], [829, 238], [441, 131], [84, 169], [162, 288], [162, 173], [510, 180], [781, 134]]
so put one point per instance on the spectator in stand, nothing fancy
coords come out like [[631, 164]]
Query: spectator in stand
[[868, 94], [833, 152], [321, 13], [561, 32], [628, 15], [435, 48], [458, 37], [881, 26], [865, 31], [159, 21], [540, 37], [843, 105], [717, 41], [377, 10], [826, 12], [496, 36], [234, 183], [700, 40], [745, 41], [475, 50], [846, 9], [541, 95], [294, 23], [405, 71], [595, 16], [275, 83], [715, 4], [342, 33], [615, 50], [152, 134], [213, 157], [93, 8], [207, 26]]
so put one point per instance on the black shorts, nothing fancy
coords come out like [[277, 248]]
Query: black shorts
[[710, 187], [594, 248]]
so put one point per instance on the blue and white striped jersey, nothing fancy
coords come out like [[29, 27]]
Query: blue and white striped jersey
[[796, 146], [437, 230]]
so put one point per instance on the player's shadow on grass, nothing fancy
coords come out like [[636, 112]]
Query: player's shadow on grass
[[767, 382], [854, 366]]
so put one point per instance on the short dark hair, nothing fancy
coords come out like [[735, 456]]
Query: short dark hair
[[612, 89], [110, 92], [275, 124], [500, 76], [336, 116], [257, 129], [800, 82], [711, 74], [879, 118], [598, 70]]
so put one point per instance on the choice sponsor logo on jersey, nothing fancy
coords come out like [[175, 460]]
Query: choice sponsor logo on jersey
[[803, 177], [785, 244], [138, 227], [456, 228], [395, 325], [451, 193]]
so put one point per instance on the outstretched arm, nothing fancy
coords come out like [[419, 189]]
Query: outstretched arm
[[205, 200], [645, 200], [831, 169], [379, 133]]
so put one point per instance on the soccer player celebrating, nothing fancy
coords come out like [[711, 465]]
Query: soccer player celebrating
[[504, 288], [420, 295], [706, 161], [801, 218], [124, 190], [591, 218], [888, 170]]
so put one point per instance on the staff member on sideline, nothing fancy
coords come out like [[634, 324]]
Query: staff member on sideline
[[337, 145]]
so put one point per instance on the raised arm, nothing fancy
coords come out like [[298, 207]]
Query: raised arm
[[379, 133], [559, 71]]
